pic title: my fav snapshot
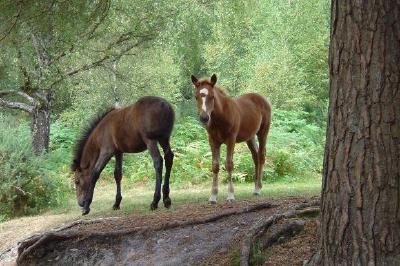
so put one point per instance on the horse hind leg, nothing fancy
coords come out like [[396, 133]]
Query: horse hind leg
[[158, 166], [118, 177], [254, 154], [262, 140], [169, 158], [229, 168]]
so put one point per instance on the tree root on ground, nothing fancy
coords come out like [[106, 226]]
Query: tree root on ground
[[261, 227], [33, 243]]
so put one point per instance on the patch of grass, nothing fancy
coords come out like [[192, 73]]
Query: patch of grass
[[257, 256], [235, 257], [137, 197]]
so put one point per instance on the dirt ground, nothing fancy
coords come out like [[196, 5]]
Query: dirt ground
[[296, 250], [150, 240]]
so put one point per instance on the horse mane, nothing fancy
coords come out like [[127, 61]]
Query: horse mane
[[217, 88], [81, 142]]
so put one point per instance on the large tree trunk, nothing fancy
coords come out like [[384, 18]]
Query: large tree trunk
[[40, 129], [360, 212]]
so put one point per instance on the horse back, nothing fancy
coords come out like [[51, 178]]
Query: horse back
[[127, 129], [253, 112], [155, 117]]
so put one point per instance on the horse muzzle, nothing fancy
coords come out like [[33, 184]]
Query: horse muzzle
[[81, 203], [204, 118]]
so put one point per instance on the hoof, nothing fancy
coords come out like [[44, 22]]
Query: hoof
[[212, 199], [257, 192], [116, 207], [230, 200], [85, 211], [167, 203], [153, 206]]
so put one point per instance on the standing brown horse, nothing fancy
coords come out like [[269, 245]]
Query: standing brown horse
[[229, 121], [132, 129]]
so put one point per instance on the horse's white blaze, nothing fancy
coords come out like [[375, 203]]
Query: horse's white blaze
[[204, 107], [204, 91]]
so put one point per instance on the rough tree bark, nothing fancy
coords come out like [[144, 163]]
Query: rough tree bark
[[41, 129], [360, 203]]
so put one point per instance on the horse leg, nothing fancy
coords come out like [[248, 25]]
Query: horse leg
[[169, 158], [262, 139], [230, 146], [158, 165], [118, 177], [253, 149], [215, 150], [101, 162]]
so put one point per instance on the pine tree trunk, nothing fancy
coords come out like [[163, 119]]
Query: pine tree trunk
[[40, 129], [360, 212]]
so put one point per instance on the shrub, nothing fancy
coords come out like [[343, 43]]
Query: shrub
[[26, 183]]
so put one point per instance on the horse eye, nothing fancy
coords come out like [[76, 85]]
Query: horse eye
[[76, 182]]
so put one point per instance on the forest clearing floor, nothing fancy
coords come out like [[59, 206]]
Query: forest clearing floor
[[162, 237]]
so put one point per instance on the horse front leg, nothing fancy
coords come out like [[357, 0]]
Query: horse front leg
[[118, 177], [215, 150], [230, 146], [158, 166], [101, 162]]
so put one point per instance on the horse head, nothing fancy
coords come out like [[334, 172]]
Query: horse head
[[205, 97]]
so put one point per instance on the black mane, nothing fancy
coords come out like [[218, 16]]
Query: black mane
[[80, 144]]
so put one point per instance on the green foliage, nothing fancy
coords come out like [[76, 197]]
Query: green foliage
[[257, 256], [276, 48], [28, 183]]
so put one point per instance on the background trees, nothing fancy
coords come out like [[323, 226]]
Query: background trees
[[44, 43], [61, 54]]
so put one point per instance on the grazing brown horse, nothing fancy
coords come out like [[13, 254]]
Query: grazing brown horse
[[131, 129], [229, 121]]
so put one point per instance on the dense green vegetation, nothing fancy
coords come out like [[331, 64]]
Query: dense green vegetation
[[276, 48]]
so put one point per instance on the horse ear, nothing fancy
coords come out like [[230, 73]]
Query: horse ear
[[194, 79], [213, 79]]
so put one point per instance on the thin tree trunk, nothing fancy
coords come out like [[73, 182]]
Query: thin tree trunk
[[360, 203], [40, 129]]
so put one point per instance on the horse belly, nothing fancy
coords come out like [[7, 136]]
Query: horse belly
[[247, 133], [250, 117], [130, 143]]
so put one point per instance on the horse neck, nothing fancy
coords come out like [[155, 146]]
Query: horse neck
[[220, 102], [90, 154]]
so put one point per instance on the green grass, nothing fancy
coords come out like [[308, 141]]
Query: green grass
[[137, 198]]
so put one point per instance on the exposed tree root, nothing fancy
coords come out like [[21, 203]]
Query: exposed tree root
[[29, 246], [287, 230], [262, 226]]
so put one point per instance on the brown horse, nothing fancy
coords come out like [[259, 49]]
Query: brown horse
[[132, 129], [229, 121]]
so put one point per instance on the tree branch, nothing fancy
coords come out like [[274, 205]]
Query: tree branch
[[107, 57], [14, 23], [26, 96], [16, 105]]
